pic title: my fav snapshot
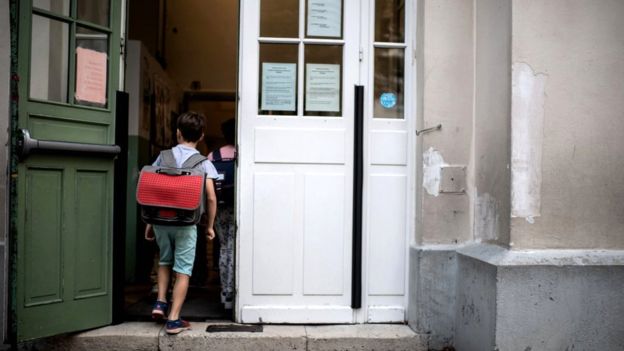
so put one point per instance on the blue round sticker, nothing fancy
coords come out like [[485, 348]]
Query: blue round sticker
[[388, 100]]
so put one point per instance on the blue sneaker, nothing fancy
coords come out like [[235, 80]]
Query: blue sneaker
[[177, 326], [159, 311]]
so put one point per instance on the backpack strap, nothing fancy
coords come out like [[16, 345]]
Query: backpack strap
[[216, 155], [167, 159], [193, 161]]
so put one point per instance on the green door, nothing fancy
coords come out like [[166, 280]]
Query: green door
[[68, 67]]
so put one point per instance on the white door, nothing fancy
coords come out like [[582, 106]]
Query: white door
[[299, 64]]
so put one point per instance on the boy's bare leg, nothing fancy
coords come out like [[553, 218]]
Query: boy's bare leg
[[179, 295], [164, 272]]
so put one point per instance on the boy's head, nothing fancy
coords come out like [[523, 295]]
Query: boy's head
[[191, 126]]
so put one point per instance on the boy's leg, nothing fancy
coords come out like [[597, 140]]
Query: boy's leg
[[164, 272], [185, 243], [179, 295], [165, 243]]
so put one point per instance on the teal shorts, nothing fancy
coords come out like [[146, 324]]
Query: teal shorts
[[177, 247]]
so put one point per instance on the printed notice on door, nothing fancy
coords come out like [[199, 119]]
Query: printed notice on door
[[91, 72], [279, 87], [324, 18], [322, 91]]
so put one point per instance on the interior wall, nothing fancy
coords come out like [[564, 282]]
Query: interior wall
[[143, 23], [568, 123], [201, 39], [492, 119], [447, 89]]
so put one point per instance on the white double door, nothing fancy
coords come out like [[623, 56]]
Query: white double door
[[299, 64]]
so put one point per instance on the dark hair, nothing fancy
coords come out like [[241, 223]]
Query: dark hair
[[228, 128], [191, 125]]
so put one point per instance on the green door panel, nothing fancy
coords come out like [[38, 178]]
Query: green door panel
[[63, 234], [42, 236], [65, 207]]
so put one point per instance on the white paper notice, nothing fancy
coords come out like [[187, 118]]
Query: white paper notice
[[322, 87], [91, 72], [324, 18], [279, 86]]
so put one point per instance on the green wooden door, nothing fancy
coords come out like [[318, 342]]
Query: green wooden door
[[68, 67]]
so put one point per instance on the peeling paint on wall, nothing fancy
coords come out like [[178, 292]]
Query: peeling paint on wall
[[527, 136], [432, 170], [486, 218]]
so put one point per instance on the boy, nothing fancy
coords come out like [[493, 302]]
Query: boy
[[182, 239]]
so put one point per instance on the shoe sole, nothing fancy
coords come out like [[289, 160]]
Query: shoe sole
[[177, 330], [157, 315]]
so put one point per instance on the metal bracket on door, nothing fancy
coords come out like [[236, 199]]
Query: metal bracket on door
[[27, 145]]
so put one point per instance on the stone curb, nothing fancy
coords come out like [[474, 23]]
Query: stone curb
[[145, 336]]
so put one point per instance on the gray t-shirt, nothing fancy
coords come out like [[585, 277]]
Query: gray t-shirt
[[181, 153]]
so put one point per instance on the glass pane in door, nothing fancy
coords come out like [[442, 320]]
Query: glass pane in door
[[94, 11], [278, 79], [323, 80], [389, 85], [324, 19], [49, 65], [57, 6], [279, 18], [390, 21]]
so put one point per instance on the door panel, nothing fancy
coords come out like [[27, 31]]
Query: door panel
[[64, 202], [296, 163], [297, 159], [64, 269]]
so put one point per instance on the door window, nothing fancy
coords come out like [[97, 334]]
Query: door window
[[389, 62], [292, 50], [70, 51], [49, 63]]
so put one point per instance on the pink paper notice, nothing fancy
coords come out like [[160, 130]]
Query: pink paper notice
[[91, 75]]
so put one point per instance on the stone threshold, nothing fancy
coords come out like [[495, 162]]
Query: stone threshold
[[146, 336]]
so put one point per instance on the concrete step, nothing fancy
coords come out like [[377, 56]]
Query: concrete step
[[145, 336]]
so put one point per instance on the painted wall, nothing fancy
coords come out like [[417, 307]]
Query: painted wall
[[568, 124], [492, 110], [5, 63], [201, 43], [447, 94]]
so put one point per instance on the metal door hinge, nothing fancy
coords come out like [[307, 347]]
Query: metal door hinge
[[361, 54]]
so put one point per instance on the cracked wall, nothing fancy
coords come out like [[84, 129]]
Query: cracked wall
[[568, 123]]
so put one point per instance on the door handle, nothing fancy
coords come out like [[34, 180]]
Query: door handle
[[27, 145], [358, 181]]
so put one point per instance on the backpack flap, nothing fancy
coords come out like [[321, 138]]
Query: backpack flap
[[170, 197]]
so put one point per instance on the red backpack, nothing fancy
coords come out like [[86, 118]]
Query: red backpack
[[172, 196]]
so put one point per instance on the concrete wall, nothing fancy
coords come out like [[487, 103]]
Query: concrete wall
[[549, 300], [5, 117], [475, 309], [568, 69]]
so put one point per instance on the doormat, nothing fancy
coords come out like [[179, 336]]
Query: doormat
[[220, 328]]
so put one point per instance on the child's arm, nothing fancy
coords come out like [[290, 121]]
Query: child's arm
[[149, 233], [211, 200]]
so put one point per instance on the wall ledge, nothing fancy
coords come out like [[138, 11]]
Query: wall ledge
[[500, 256]]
